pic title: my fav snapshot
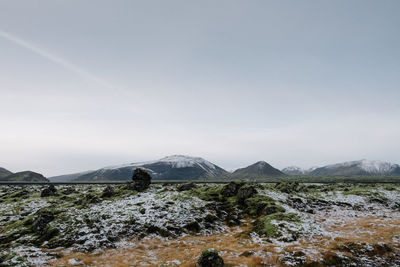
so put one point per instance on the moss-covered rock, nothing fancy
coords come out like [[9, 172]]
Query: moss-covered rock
[[270, 225], [232, 188], [108, 192], [49, 191], [261, 205], [290, 187], [193, 226], [186, 186], [245, 192], [210, 258]]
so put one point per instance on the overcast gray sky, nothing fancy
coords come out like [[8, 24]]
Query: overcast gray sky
[[87, 84]]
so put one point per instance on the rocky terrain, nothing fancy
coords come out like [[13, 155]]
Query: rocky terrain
[[283, 224]]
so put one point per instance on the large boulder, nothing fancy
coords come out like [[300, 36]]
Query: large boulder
[[231, 189], [141, 179], [49, 191], [246, 192], [210, 258], [108, 192]]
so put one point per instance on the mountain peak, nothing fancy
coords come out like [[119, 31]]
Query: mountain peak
[[182, 161], [174, 167], [258, 169], [293, 170]]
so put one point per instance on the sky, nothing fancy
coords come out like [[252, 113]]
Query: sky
[[88, 84]]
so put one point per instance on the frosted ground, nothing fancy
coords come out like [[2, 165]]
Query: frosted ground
[[273, 225]]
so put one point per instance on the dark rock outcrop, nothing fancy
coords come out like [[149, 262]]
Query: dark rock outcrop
[[210, 258], [231, 189], [141, 180], [193, 226], [49, 191], [186, 186], [108, 191], [68, 191], [245, 192], [39, 224]]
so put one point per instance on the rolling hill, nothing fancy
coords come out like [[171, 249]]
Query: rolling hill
[[25, 176], [4, 173]]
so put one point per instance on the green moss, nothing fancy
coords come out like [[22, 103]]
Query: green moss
[[360, 191], [239, 182], [208, 193], [389, 187], [232, 201], [12, 259], [209, 251], [265, 225], [261, 205], [14, 231]]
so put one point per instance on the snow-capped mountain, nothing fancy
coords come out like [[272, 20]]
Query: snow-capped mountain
[[176, 167], [256, 170], [293, 170], [359, 167]]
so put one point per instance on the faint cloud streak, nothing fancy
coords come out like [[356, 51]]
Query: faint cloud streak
[[57, 60]]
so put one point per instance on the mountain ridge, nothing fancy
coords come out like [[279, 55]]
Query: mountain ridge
[[175, 167], [349, 168]]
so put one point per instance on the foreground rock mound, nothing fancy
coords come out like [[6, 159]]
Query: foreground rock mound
[[108, 192], [210, 258], [49, 191], [141, 180]]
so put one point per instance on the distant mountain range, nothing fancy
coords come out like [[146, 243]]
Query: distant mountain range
[[349, 168], [179, 167]]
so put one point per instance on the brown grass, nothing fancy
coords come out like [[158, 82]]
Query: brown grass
[[154, 251]]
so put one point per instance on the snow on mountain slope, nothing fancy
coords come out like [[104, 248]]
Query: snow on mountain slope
[[293, 170], [176, 161], [359, 167], [371, 166], [176, 167]]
